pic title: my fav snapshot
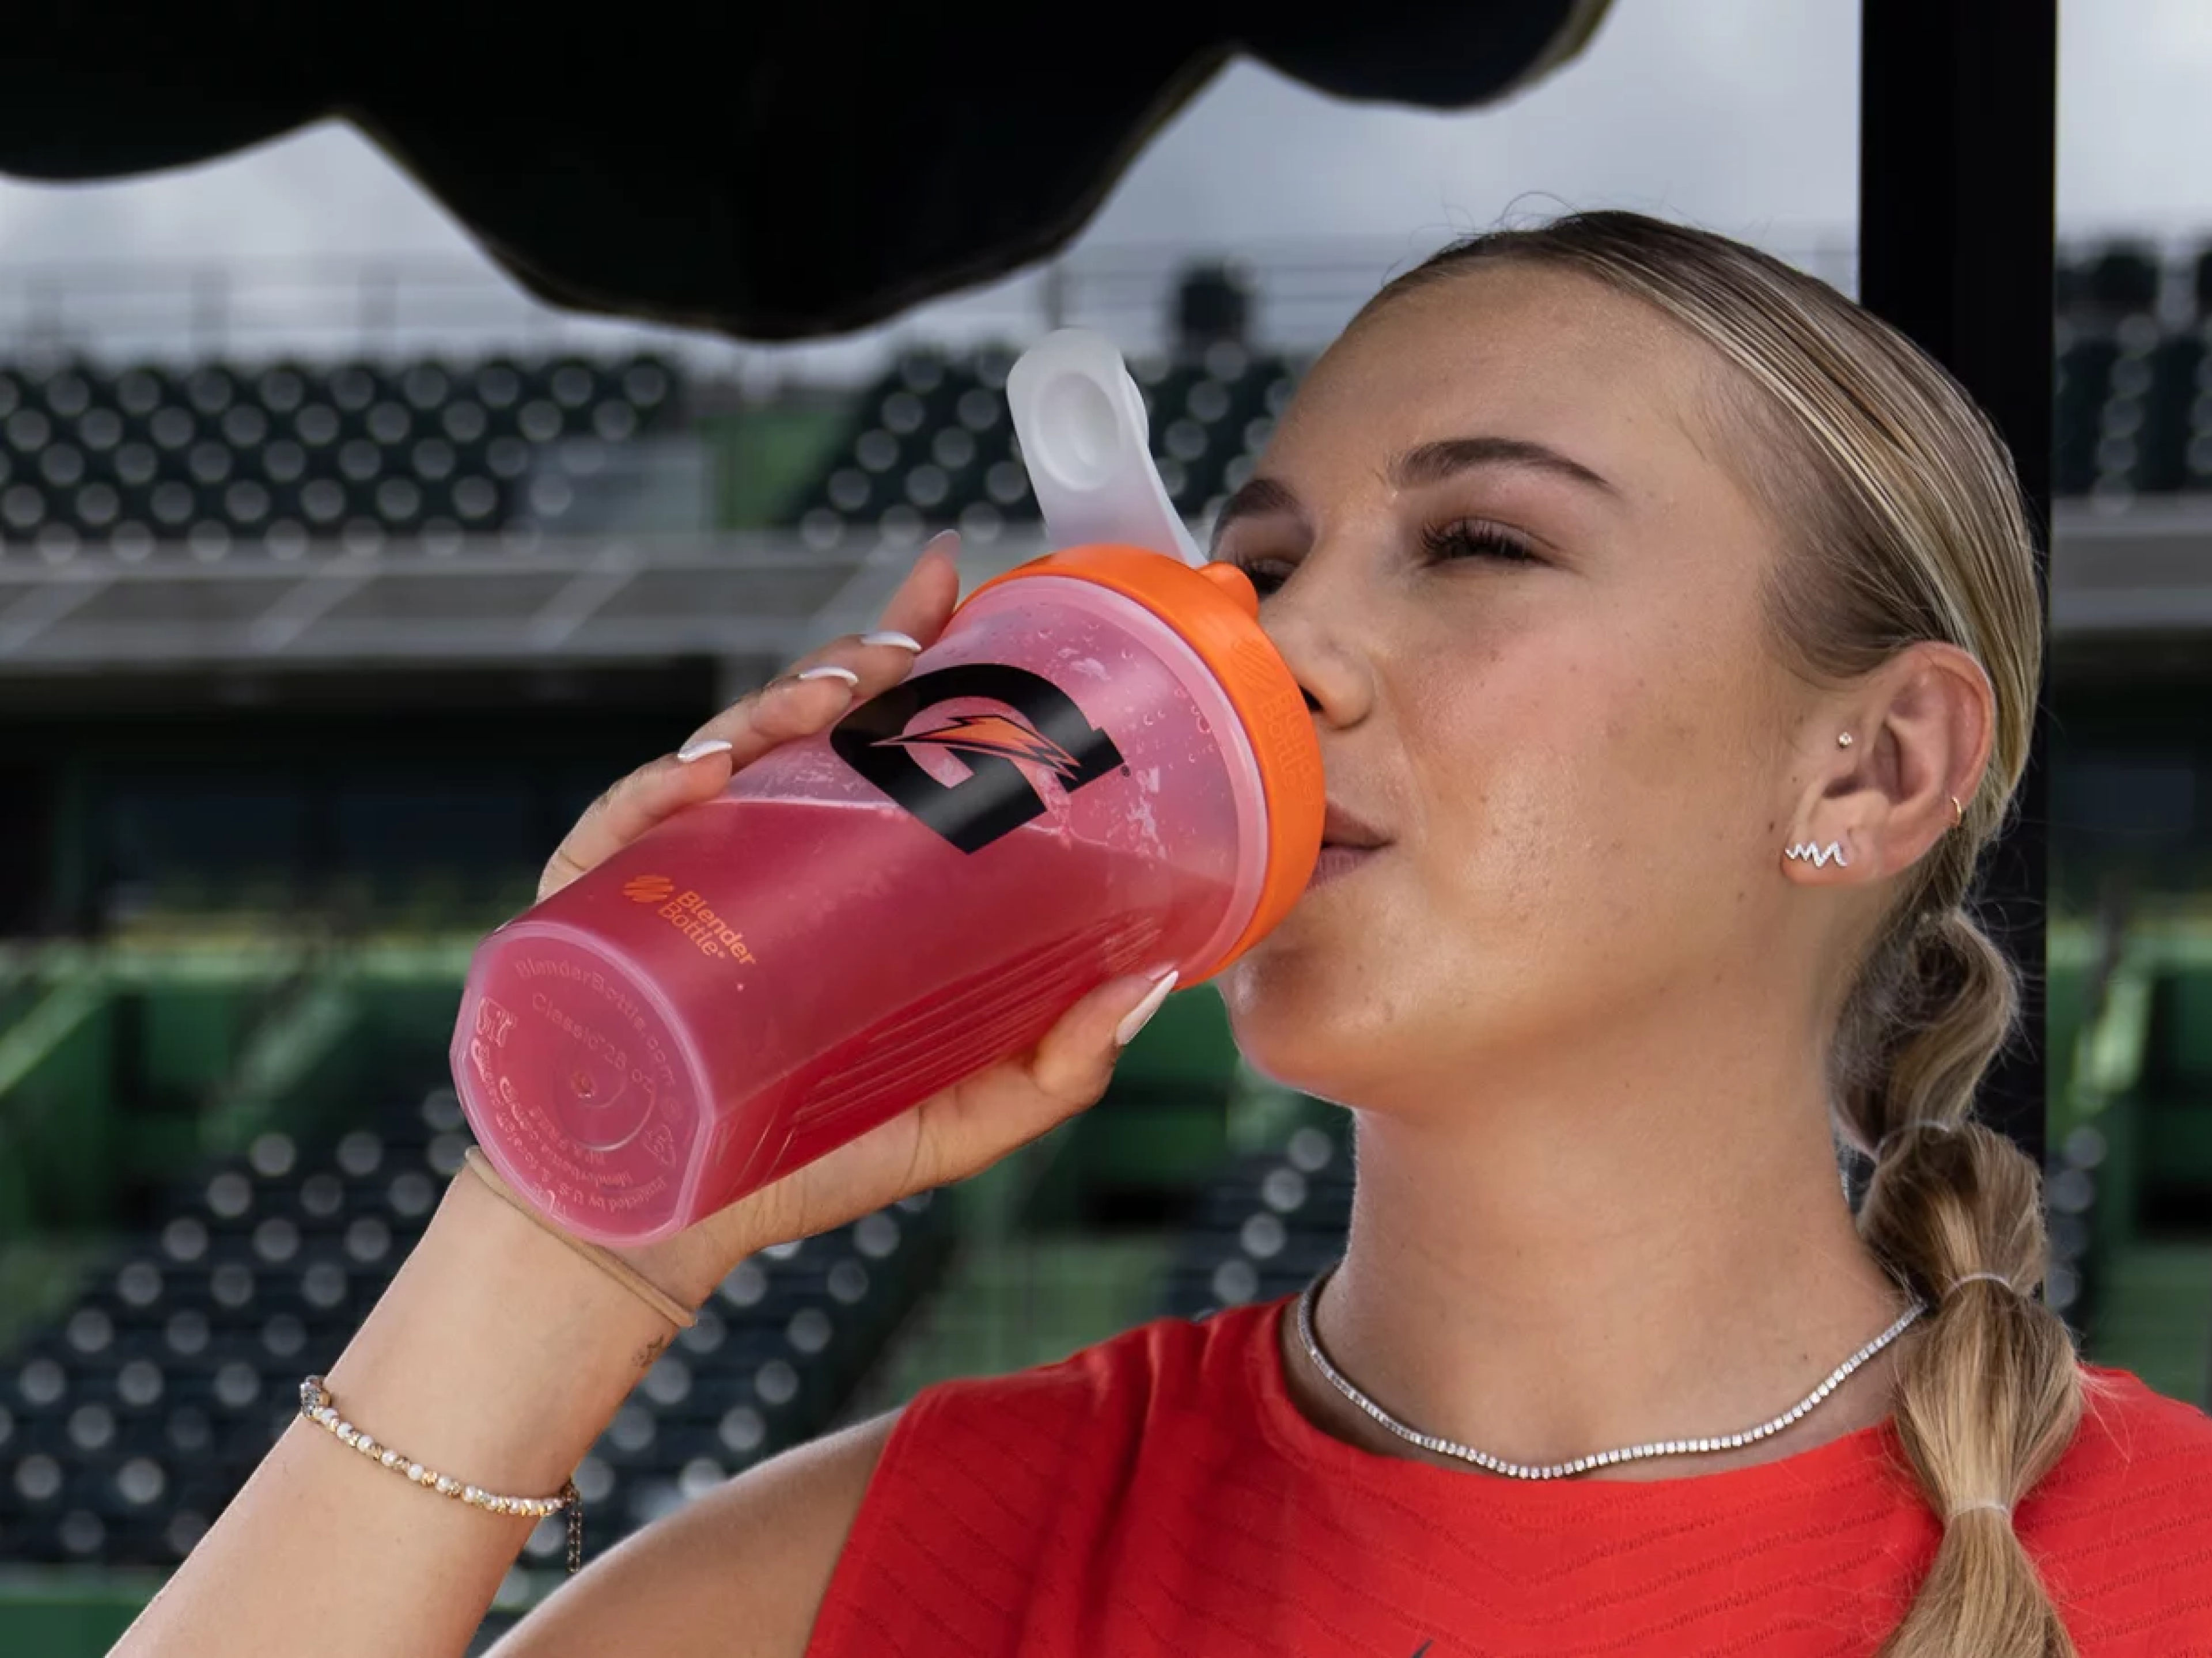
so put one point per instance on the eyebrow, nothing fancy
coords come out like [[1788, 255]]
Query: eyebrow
[[1431, 463], [1257, 499]]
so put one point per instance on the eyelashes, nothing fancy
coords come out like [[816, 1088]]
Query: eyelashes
[[1474, 537], [1444, 544]]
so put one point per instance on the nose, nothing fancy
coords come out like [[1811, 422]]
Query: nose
[[1319, 646]]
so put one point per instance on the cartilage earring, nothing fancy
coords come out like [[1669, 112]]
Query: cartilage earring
[[1820, 857], [1843, 739]]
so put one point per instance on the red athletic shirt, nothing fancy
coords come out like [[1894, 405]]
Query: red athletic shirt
[[1160, 1493]]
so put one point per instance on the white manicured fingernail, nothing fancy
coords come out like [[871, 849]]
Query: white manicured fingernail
[[702, 749], [891, 636], [1141, 1014], [832, 672]]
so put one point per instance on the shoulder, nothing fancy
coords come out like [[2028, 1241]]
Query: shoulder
[[2136, 1450], [1129, 1363], [756, 1566], [2122, 1526], [1108, 1393], [994, 1492], [2130, 1432], [740, 1573]]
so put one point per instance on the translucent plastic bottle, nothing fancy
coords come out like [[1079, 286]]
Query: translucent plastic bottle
[[1100, 766]]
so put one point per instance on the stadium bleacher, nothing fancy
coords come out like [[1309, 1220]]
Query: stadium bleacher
[[222, 456], [128, 1421], [929, 443], [1264, 1226], [361, 453]]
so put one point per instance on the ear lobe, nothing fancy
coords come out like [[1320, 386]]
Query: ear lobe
[[1817, 855]]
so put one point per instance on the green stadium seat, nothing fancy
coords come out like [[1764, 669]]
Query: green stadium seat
[[2084, 374], [157, 1390], [2122, 279], [223, 457], [1264, 1226]]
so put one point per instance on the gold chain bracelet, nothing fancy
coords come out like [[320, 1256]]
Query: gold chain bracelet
[[316, 1404]]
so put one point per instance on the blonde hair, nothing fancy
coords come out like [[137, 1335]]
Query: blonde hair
[[1907, 514]]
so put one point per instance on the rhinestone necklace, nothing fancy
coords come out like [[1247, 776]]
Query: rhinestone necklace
[[1598, 1459]]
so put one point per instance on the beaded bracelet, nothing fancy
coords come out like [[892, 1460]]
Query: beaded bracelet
[[316, 1406]]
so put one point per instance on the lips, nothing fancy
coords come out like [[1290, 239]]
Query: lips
[[1347, 841], [1336, 861], [1342, 827]]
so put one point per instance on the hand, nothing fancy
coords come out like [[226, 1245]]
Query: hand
[[953, 1134]]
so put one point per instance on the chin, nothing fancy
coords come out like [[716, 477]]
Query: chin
[[1371, 1027], [1299, 1021]]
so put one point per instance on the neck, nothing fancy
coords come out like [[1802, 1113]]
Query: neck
[[1657, 1283]]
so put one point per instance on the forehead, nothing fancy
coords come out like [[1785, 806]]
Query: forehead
[[1514, 351]]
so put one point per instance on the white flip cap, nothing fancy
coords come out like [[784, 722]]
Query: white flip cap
[[1081, 422]]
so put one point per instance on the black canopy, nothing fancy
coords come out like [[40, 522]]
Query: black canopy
[[769, 172]]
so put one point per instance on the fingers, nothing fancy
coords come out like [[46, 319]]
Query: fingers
[[947, 1138], [930, 593], [628, 807], [820, 686], [787, 709], [798, 703], [974, 1123]]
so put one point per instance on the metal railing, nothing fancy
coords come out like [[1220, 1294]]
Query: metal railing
[[1301, 291]]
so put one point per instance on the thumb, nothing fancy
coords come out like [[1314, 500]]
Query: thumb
[[1157, 985], [976, 1123], [1075, 1059]]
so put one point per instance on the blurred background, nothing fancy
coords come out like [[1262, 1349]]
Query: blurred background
[[337, 575]]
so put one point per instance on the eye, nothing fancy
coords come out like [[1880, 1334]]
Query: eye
[[1265, 577], [1470, 538]]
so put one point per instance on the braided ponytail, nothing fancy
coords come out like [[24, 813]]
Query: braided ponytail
[[1990, 1394], [1904, 513]]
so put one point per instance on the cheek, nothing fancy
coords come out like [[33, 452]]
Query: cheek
[[1581, 772]]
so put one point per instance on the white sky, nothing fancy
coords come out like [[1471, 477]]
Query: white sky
[[1738, 114]]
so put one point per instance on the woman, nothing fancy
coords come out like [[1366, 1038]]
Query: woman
[[1671, 633]]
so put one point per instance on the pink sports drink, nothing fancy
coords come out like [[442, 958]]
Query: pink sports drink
[[1068, 786]]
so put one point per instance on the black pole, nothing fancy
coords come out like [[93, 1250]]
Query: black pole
[[1958, 117]]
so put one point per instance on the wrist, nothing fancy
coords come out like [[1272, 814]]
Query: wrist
[[673, 1276], [691, 1265], [681, 1313], [497, 1355]]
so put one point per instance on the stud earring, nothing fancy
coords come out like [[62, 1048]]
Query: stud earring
[[1820, 857], [1843, 739]]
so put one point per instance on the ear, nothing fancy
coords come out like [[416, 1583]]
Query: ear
[[1921, 728]]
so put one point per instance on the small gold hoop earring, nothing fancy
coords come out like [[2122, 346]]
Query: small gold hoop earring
[[1958, 814]]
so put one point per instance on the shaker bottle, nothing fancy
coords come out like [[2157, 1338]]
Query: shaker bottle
[[1102, 766]]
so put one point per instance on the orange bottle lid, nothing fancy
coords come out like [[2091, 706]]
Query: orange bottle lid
[[1216, 610]]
